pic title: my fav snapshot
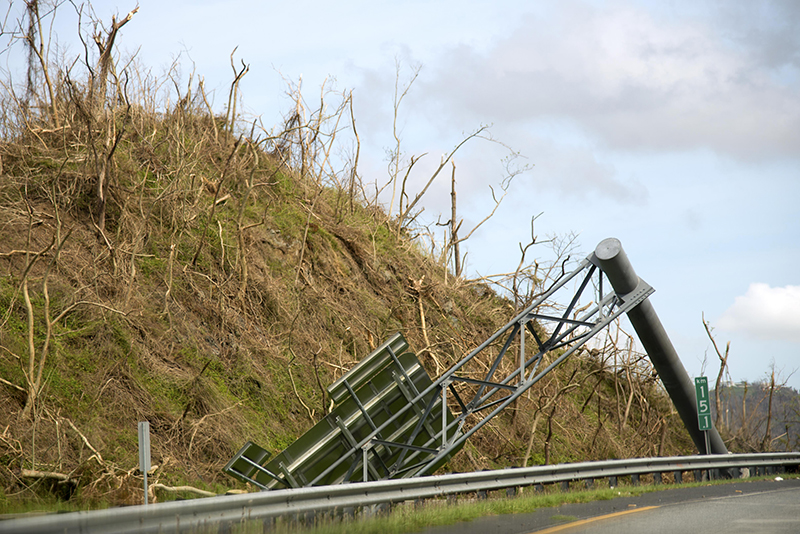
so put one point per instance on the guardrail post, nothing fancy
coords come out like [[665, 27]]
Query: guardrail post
[[635, 480], [309, 519], [511, 492], [657, 478], [612, 481], [565, 485], [293, 519], [589, 483], [611, 258], [678, 477]]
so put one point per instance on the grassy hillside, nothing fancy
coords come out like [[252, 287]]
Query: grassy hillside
[[159, 262]]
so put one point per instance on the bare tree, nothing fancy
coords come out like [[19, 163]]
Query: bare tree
[[396, 163], [214, 202], [766, 441], [96, 114], [723, 363], [404, 215], [531, 274], [454, 242], [354, 167], [34, 38], [105, 45], [104, 39], [37, 358], [552, 405], [230, 118]]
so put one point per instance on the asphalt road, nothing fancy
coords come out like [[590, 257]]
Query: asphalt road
[[761, 507]]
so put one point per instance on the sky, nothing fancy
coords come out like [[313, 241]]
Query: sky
[[673, 126]]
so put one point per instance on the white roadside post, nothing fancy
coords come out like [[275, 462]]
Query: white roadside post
[[144, 452]]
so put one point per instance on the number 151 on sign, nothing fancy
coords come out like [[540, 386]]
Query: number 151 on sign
[[703, 404]]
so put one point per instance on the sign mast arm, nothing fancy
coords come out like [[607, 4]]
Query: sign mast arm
[[611, 258]]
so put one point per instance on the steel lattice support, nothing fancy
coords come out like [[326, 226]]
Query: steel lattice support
[[565, 334], [394, 421]]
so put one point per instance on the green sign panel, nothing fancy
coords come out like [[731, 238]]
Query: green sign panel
[[703, 404], [365, 397]]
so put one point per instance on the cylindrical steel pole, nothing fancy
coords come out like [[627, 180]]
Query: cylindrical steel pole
[[613, 261]]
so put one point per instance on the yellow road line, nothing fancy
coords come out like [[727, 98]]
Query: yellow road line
[[573, 524]]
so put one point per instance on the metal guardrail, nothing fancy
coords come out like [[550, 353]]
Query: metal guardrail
[[183, 516]]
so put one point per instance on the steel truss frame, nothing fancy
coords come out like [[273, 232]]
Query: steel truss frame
[[566, 334], [526, 340]]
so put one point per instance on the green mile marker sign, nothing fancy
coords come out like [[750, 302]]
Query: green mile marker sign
[[703, 404]]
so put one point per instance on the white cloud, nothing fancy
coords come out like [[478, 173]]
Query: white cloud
[[633, 80], [765, 312]]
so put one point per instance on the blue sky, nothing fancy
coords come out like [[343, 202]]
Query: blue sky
[[673, 126]]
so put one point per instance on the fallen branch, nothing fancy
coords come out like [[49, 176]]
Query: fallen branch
[[294, 388], [71, 307], [197, 424], [178, 489], [19, 253], [6, 382], [86, 442], [31, 473]]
